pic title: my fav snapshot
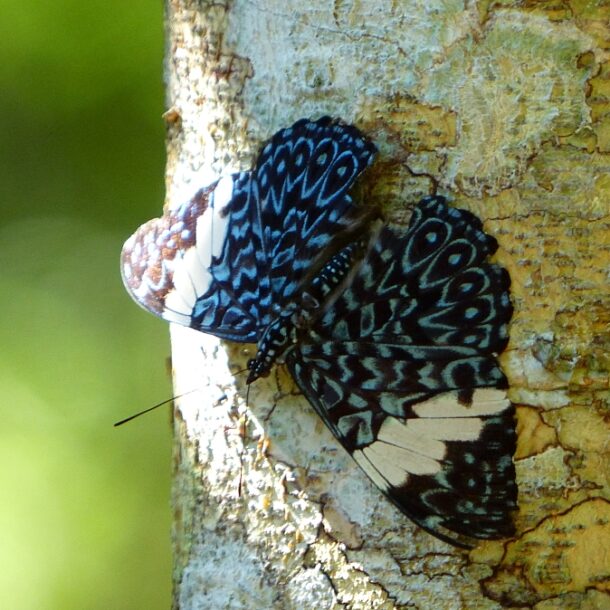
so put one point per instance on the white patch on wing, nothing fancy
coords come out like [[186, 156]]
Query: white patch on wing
[[199, 275], [415, 446], [183, 286], [369, 469], [394, 432], [449, 429], [174, 302], [212, 226], [223, 193], [190, 280], [177, 317], [396, 463], [485, 401]]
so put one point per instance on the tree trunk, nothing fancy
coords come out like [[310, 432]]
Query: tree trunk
[[502, 106]]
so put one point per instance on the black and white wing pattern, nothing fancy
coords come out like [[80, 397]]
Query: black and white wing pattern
[[392, 338], [402, 368], [224, 262]]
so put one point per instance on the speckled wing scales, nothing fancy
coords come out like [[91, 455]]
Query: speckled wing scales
[[403, 370], [241, 248]]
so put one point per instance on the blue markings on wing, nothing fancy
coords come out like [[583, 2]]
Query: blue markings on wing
[[281, 217]]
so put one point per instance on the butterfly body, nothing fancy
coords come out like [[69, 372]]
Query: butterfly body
[[293, 322], [392, 334], [276, 339]]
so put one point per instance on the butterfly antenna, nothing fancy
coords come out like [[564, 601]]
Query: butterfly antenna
[[159, 404], [248, 396]]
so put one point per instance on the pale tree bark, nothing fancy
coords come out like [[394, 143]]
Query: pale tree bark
[[502, 106]]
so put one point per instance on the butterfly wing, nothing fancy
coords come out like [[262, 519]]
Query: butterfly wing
[[167, 266], [402, 368], [243, 245]]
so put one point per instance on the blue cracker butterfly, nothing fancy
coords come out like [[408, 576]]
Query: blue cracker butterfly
[[391, 334]]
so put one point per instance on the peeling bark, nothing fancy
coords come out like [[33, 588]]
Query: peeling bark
[[503, 106]]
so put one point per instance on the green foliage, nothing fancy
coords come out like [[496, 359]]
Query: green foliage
[[85, 515]]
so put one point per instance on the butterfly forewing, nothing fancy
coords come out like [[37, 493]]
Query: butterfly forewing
[[301, 181]]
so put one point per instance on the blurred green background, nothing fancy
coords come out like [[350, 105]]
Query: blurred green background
[[84, 511]]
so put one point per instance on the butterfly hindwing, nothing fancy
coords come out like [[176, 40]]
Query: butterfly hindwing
[[403, 370], [450, 472], [242, 246]]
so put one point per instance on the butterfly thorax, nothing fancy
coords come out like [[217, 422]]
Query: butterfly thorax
[[283, 332]]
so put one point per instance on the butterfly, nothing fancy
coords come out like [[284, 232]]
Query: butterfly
[[392, 334]]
